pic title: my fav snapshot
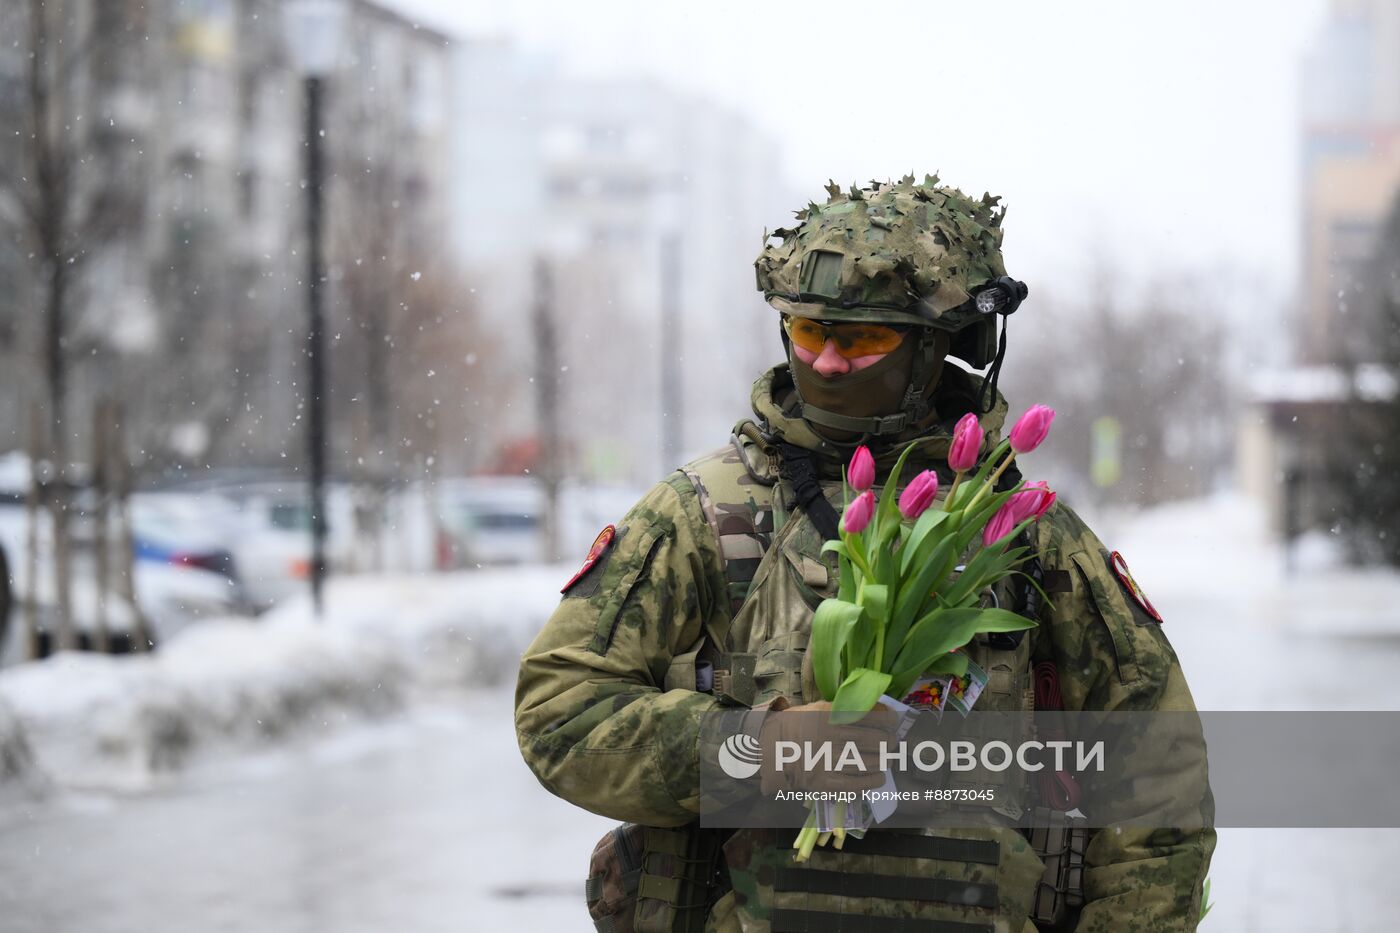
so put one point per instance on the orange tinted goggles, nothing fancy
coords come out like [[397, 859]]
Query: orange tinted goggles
[[853, 339]]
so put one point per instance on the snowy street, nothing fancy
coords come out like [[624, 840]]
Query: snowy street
[[339, 338], [421, 816], [429, 822]]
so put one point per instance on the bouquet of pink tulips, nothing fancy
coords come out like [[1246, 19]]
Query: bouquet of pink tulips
[[910, 591]]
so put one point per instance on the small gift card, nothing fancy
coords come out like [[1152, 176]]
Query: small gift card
[[928, 693], [963, 691], [857, 815]]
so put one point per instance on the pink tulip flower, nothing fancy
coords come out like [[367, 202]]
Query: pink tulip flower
[[967, 441], [859, 513], [1000, 526], [1042, 498], [861, 473], [1033, 501], [1031, 429], [918, 495]]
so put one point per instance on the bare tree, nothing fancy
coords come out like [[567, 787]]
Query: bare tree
[[1138, 386], [373, 283], [367, 235], [409, 370], [444, 380], [51, 195], [412, 381]]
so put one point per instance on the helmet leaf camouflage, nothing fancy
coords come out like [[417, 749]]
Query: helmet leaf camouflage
[[905, 252]]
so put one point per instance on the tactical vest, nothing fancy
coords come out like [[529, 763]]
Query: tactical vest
[[972, 880], [945, 881]]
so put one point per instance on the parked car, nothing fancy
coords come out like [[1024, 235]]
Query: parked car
[[270, 538], [493, 520], [184, 570], [171, 596], [185, 531], [501, 519]]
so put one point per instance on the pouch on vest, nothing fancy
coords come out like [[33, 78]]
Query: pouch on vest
[[1060, 841], [650, 879], [614, 872]]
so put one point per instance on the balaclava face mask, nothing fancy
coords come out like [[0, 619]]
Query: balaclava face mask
[[873, 391]]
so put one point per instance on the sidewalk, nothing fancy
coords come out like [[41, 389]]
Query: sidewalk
[[1245, 631]]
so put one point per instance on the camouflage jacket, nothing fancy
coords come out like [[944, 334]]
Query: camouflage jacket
[[604, 723]]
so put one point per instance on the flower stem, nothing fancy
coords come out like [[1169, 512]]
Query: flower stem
[[957, 481], [996, 474], [856, 551], [806, 836], [992, 480], [879, 644]]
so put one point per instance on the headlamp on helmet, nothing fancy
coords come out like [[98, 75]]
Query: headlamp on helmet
[[1003, 296]]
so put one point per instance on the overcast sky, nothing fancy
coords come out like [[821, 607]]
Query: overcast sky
[[1161, 135]]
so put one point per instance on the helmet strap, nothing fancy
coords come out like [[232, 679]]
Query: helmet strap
[[870, 426], [987, 395], [915, 405]]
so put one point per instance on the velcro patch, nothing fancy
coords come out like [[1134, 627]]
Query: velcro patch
[[1119, 566], [1056, 581]]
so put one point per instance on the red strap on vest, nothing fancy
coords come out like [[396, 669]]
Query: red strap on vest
[[1058, 789]]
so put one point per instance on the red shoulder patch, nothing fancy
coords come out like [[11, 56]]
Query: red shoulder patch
[[595, 553], [1125, 577]]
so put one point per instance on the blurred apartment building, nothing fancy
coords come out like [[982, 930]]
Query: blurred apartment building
[[1349, 132], [188, 116], [647, 205], [1350, 111]]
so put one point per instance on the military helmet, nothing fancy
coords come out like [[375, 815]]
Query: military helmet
[[906, 253]]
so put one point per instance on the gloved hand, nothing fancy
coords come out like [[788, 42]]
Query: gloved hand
[[810, 725]]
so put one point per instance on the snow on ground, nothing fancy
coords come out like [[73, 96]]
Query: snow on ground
[[117, 721], [462, 629]]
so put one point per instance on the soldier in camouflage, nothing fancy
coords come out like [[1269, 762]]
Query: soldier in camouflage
[[702, 597]]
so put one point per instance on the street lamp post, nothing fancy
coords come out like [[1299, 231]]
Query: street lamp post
[[313, 38]]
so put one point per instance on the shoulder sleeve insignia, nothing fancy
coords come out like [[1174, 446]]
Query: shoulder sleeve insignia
[[1119, 566], [601, 545]]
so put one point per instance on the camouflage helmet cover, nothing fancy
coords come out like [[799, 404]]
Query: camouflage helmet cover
[[906, 252]]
